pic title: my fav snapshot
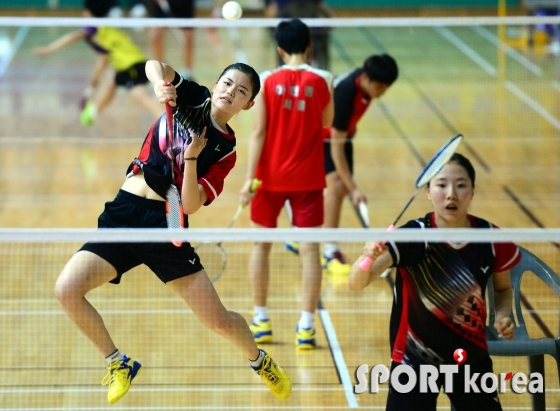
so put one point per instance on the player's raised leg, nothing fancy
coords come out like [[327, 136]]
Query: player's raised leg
[[84, 272], [199, 293]]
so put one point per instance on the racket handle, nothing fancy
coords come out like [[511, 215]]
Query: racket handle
[[365, 264]]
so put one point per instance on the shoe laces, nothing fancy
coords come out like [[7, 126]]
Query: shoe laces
[[266, 373], [116, 369]]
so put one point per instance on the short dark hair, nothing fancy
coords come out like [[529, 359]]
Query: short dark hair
[[382, 68], [292, 36], [99, 8], [251, 73]]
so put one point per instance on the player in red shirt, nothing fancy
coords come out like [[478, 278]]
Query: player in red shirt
[[286, 154], [439, 293], [353, 93]]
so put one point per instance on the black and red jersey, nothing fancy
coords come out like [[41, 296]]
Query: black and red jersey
[[439, 300], [191, 112], [350, 104]]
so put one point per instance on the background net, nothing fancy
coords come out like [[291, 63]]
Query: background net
[[495, 81]]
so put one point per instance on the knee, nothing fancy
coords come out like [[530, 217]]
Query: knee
[[64, 290], [223, 324]]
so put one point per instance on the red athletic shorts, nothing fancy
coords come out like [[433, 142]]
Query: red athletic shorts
[[307, 207]]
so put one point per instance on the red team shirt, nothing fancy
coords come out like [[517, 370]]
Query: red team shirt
[[292, 156]]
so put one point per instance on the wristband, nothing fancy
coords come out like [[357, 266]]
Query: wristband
[[190, 158]]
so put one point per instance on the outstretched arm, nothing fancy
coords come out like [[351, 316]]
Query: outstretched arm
[[60, 43], [358, 279]]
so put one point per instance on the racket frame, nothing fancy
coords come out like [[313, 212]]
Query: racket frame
[[423, 179], [171, 206]]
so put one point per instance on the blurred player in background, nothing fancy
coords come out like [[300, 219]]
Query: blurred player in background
[[353, 93], [439, 293], [117, 50], [286, 154], [173, 9], [306, 9]]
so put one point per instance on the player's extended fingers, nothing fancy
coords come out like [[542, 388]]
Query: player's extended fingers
[[202, 135]]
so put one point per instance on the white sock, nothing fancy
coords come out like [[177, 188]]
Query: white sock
[[306, 320], [260, 313], [257, 363], [114, 356], [330, 249]]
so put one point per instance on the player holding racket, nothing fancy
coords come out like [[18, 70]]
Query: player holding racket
[[115, 49], [439, 292], [286, 154], [353, 94], [204, 146]]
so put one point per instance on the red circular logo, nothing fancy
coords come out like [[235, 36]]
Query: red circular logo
[[460, 356]]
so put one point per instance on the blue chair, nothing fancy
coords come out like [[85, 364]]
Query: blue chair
[[523, 344]]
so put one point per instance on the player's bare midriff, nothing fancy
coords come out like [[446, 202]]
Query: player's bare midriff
[[138, 186]]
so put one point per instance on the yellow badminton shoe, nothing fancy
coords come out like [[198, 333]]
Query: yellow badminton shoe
[[274, 377], [262, 330], [120, 374], [305, 338], [88, 114], [336, 264]]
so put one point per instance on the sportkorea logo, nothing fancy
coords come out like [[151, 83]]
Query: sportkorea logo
[[519, 383]]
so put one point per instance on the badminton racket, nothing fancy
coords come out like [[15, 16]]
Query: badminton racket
[[361, 212], [212, 254], [173, 204], [433, 167]]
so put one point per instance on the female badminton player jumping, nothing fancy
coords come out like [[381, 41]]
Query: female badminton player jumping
[[204, 152]]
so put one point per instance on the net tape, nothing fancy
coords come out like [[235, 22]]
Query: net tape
[[35, 235], [273, 22]]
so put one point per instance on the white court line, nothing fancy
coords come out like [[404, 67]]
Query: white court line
[[338, 358], [245, 408], [556, 85], [137, 389], [473, 55], [18, 39], [181, 311], [466, 50], [521, 59], [183, 408], [533, 104]]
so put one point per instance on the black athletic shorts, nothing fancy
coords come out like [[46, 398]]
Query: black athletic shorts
[[167, 261], [132, 76], [179, 8], [348, 152]]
